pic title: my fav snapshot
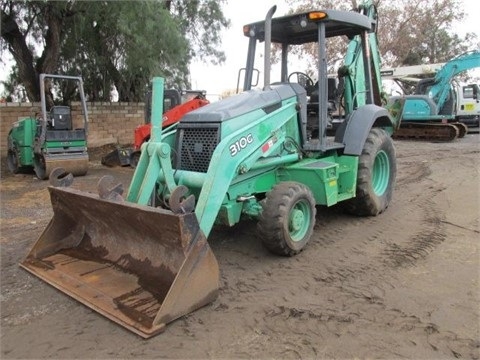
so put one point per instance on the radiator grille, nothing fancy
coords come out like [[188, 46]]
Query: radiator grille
[[195, 147]]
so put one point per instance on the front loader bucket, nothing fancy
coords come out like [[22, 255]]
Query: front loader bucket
[[141, 267]]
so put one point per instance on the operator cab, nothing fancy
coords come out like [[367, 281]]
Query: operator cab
[[324, 96]]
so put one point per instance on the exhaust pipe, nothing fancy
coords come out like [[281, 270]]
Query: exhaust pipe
[[268, 46]]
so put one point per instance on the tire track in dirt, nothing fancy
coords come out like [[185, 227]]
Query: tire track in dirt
[[347, 269], [331, 301], [352, 264]]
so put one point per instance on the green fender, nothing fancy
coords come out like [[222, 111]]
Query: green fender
[[354, 130]]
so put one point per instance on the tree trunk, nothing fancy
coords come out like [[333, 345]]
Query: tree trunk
[[28, 71], [49, 60], [22, 55]]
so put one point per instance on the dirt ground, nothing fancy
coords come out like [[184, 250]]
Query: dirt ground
[[404, 284]]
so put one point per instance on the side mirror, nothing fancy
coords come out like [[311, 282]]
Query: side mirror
[[255, 77]]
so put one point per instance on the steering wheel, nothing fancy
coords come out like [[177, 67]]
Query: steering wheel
[[302, 79]]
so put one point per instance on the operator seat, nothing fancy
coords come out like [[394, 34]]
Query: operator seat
[[61, 118], [331, 96]]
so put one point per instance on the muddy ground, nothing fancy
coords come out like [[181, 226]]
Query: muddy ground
[[404, 284]]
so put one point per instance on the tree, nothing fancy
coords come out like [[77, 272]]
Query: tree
[[409, 32], [14, 91], [112, 44], [22, 19], [421, 31]]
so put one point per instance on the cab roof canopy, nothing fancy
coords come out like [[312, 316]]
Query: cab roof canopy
[[299, 29]]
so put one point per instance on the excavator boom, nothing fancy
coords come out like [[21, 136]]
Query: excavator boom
[[440, 88]]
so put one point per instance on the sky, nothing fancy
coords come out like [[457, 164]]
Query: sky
[[216, 79]]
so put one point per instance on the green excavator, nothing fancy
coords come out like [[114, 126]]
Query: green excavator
[[430, 113], [143, 259]]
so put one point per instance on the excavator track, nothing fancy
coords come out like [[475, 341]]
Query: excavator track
[[462, 129], [428, 132]]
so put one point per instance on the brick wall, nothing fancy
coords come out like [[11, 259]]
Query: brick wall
[[109, 123]]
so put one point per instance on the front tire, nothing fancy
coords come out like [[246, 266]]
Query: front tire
[[287, 220], [377, 170]]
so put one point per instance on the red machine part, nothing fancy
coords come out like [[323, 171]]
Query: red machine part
[[170, 117]]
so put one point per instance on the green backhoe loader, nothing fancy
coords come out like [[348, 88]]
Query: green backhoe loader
[[143, 260]]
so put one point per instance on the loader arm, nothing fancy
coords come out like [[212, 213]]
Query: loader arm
[[228, 162], [229, 159], [155, 156]]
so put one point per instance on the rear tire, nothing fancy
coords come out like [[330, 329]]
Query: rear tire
[[377, 169], [287, 220], [12, 161]]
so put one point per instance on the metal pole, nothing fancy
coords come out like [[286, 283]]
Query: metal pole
[[157, 109], [268, 45]]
